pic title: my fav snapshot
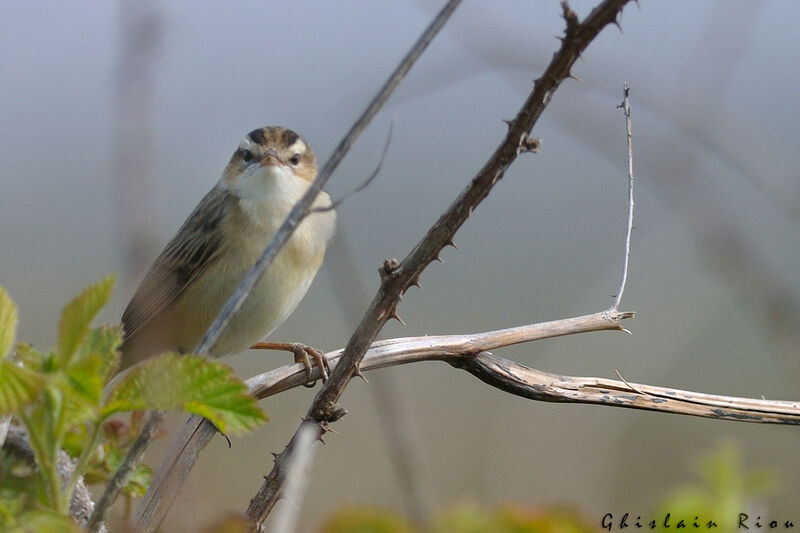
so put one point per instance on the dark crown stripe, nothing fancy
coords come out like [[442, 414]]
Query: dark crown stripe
[[257, 136], [289, 137]]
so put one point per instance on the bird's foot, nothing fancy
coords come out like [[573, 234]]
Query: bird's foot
[[303, 355]]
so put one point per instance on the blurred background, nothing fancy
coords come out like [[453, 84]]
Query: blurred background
[[117, 117]]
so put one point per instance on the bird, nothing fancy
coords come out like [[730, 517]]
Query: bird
[[201, 266]]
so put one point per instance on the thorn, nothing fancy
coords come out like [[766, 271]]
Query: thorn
[[634, 389], [509, 123], [415, 282], [439, 259], [451, 243], [574, 77], [322, 440], [335, 413], [396, 317], [357, 372], [274, 456]]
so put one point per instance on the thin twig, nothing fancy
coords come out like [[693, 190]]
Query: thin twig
[[125, 471], [298, 212], [398, 276], [336, 203], [626, 107]]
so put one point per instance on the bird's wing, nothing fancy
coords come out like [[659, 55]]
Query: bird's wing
[[197, 244]]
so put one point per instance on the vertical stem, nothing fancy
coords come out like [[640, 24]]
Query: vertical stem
[[83, 460], [47, 465], [626, 107]]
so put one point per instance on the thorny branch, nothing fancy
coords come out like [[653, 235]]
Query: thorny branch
[[397, 277]]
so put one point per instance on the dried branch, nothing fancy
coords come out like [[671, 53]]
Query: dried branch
[[537, 385], [470, 352], [396, 277]]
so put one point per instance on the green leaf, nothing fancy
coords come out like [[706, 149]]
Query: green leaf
[[189, 383], [78, 406], [19, 387], [83, 380], [81, 383], [78, 315], [8, 322], [103, 342], [30, 357], [44, 522]]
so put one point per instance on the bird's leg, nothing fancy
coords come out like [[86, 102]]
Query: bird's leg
[[301, 355]]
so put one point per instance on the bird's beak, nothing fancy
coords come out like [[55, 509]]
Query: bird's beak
[[271, 159]]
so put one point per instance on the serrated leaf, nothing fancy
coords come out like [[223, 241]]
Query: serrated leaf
[[19, 387], [77, 407], [103, 342], [97, 356], [8, 322], [77, 317], [189, 383]]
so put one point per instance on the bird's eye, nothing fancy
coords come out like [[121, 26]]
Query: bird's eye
[[247, 156], [295, 159]]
